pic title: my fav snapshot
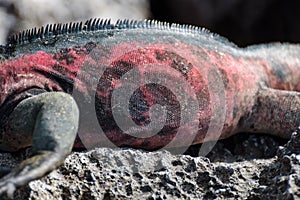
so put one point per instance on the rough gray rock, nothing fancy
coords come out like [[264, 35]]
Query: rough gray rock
[[105, 173]]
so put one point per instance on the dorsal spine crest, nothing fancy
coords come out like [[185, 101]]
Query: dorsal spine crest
[[95, 24]]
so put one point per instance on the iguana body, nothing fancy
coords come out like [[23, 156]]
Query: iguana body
[[259, 88]]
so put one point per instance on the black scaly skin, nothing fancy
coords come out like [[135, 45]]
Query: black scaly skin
[[41, 68]]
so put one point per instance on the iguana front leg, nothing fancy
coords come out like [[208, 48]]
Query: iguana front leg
[[50, 121]]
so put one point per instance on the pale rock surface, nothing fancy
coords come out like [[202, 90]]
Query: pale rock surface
[[228, 173], [17, 15]]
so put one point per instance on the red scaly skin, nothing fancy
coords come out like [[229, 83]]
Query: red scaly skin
[[241, 74], [140, 84]]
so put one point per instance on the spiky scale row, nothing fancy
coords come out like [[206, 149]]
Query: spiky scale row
[[95, 24], [59, 29], [29, 73]]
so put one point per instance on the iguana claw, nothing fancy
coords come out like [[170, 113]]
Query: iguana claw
[[47, 154], [30, 169], [201, 82]]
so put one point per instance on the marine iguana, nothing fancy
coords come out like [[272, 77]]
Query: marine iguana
[[133, 78]]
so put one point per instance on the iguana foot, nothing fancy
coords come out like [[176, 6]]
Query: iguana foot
[[28, 170], [53, 118]]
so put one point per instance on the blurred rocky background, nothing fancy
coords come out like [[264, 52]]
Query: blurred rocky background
[[242, 167], [243, 22], [17, 15]]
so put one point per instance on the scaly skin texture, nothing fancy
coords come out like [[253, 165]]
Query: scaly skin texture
[[258, 87]]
